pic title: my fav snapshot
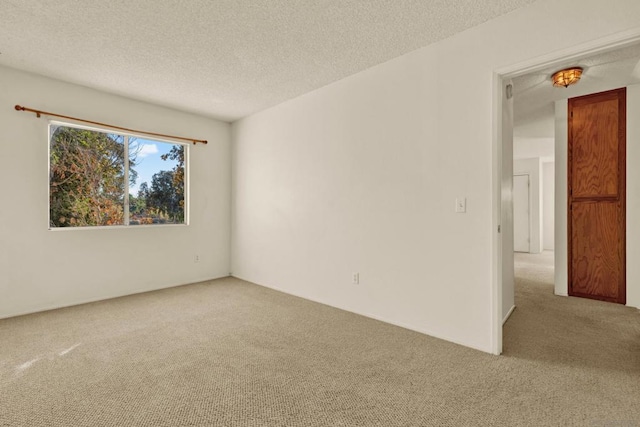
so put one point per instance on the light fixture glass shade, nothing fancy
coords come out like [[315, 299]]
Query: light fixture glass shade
[[567, 77]]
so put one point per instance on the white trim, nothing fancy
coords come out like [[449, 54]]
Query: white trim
[[593, 47], [114, 227], [611, 42], [125, 147], [104, 129], [48, 187], [187, 184], [506, 317], [496, 262]]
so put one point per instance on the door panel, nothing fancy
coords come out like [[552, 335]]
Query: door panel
[[596, 257], [521, 225], [596, 202], [595, 149]]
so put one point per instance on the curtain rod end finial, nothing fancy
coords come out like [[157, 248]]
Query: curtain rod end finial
[[19, 108]]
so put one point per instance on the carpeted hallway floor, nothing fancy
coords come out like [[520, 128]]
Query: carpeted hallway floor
[[229, 353]]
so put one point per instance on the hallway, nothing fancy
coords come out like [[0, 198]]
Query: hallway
[[601, 339]]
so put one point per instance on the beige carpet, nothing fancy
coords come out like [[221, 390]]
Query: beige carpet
[[229, 353]]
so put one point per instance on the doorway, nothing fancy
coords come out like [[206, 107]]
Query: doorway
[[503, 252]]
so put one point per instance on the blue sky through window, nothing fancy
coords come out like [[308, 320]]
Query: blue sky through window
[[148, 160]]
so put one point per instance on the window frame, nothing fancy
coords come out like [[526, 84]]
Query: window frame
[[126, 135]]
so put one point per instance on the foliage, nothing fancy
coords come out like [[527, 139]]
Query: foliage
[[86, 178], [87, 185], [177, 154], [164, 197]]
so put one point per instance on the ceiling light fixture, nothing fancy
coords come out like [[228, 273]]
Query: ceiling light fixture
[[566, 77]]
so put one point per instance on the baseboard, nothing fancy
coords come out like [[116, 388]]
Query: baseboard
[[371, 316], [103, 298], [506, 317]]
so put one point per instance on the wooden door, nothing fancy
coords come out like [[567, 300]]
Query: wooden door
[[521, 219], [597, 172]]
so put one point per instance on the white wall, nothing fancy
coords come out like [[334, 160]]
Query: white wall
[[42, 269], [548, 212], [533, 168], [361, 176], [527, 148], [633, 198], [633, 195], [561, 257]]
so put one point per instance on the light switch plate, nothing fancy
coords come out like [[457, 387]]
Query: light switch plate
[[461, 204]]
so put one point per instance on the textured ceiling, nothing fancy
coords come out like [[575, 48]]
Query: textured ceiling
[[223, 58], [534, 95]]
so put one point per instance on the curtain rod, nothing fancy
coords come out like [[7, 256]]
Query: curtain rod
[[38, 113]]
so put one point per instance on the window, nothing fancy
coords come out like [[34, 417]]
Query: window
[[98, 178]]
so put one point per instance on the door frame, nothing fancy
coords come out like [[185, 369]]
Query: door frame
[[529, 227], [501, 75]]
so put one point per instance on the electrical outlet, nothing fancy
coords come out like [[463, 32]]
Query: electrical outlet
[[355, 278], [196, 258]]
